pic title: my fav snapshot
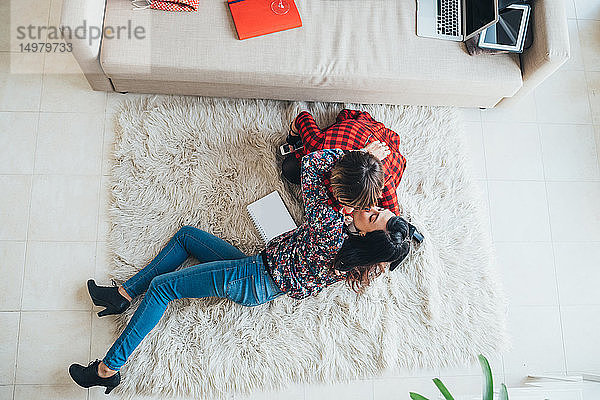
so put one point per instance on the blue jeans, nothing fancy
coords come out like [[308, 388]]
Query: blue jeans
[[224, 271]]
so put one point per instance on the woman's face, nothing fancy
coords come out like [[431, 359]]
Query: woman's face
[[372, 219]]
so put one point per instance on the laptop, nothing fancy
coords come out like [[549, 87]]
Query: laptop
[[456, 20]]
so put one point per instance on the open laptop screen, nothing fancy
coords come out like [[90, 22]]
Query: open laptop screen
[[478, 14]]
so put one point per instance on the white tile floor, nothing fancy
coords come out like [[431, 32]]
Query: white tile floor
[[537, 166]]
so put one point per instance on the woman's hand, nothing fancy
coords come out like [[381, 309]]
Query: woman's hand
[[378, 149], [293, 130]]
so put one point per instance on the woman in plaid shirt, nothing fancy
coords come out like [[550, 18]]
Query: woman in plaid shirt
[[352, 130]]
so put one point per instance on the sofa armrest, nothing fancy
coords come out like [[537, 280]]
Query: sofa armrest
[[82, 23], [550, 48]]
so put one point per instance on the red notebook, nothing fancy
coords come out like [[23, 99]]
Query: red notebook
[[255, 17]]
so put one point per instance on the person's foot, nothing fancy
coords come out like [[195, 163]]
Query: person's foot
[[103, 371], [123, 293], [92, 375], [293, 136], [115, 299], [293, 129]]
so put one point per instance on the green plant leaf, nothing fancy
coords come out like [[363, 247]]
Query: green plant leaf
[[488, 383], [443, 389], [416, 396], [503, 392]]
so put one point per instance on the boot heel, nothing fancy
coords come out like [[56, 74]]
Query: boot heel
[[106, 311], [109, 389]]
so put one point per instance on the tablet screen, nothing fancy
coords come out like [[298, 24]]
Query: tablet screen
[[506, 30]]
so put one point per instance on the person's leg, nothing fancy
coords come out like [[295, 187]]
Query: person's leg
[[306, 126], [187, 241], [244, 281]]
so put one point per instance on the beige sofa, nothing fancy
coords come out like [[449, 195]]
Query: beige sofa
[[347, 50]]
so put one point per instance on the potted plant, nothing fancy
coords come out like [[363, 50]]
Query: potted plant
[[488, 388]]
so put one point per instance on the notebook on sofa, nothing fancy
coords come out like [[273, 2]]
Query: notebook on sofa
[[270, 216], [259, 17]]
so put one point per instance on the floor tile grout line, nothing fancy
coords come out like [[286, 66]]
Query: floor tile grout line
[[560, 318], [485, 168], [42, 83], [16, 110], [548, 305], [554, 262], [98, 211], [547, 241], [87, 395], [489, 209], [42, 384], [46, 310], [489, 203], [587, 90], [489, 206], [596, 145], [59, 174], [58, 112], [16, 365], [546, 180], [49, 241], [535, 121], [556, 305]]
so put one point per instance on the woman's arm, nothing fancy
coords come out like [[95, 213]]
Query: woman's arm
[[312, 136], [315, 166]]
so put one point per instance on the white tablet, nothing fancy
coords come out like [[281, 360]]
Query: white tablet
[[509, 32]]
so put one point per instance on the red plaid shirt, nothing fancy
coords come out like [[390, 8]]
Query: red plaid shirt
[[353, 130]]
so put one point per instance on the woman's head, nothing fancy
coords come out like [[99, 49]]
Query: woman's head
[[371, 219], [364, 256], [357, 179]]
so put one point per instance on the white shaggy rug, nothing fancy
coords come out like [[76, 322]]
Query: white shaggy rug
[[199, 161]]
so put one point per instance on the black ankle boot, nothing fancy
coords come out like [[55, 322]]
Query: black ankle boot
[[88, 376], [109, 297]]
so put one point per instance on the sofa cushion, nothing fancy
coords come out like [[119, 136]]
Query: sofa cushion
[[366, 45]]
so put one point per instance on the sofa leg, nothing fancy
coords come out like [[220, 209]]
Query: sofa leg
[[482, 108], [123, 92]]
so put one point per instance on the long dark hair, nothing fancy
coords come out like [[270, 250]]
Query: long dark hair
[[364, 257]]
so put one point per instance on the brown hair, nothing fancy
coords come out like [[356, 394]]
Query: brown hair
[[358, 278], [357, 179]]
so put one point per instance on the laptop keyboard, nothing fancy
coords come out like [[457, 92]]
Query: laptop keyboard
[[448, 17]]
